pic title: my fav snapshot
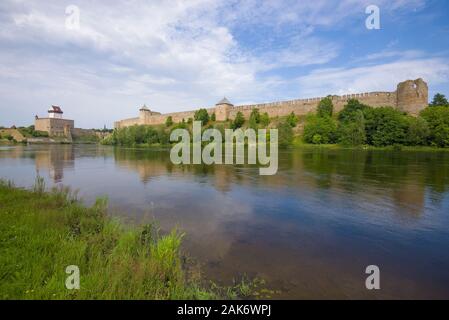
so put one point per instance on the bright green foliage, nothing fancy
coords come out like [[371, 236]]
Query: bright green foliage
[[202, 115], [325, 107], [169, 121], [353, 133], [324, 129], [385, 126], [238, 121], [438, 122], [439, 100], [292, 119]]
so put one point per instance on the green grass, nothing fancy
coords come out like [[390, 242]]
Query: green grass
[[41, 233]]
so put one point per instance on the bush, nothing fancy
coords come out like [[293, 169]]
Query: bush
[[292, 119], [202, 115], [325, 127], [238, 121], [325, 107], [169, 121], [438, 121]]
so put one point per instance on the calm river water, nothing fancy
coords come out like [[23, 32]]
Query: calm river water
[[309, 231]]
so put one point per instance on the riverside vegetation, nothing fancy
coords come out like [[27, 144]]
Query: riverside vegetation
[[356, 125], [41, 233]]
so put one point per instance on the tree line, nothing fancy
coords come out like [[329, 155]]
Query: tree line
[[359, 124]]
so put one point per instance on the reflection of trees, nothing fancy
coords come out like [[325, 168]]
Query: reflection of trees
[[55, 158], [402, 175]]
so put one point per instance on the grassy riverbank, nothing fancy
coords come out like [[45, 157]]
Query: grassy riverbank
[[41, 233]]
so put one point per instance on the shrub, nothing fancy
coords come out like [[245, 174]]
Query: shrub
[[169, 121], [325, 107], [238, 121], [202, 115], [325, 127]]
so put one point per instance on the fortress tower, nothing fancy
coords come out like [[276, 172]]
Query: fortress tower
[[412, 96], [222, 109]]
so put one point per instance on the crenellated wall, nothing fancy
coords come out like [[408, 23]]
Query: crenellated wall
[[411, 96]]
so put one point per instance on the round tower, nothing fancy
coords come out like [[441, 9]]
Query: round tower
[[222, 109], [412, 96]]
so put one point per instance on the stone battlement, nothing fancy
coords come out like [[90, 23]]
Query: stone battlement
[[411, 96]]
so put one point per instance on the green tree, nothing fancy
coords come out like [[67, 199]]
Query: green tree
[[348, 114], [213, 117], [438, 122], [202, 115], [325, 128], [325, 107], [439, 100], [418, 131], [285, 134], [254, 118], [385, 126], [292, 119], [238, 121], [353, 133], [264, 120], [169, 121]]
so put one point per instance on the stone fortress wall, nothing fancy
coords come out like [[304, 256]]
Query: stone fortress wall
[[411, 96]]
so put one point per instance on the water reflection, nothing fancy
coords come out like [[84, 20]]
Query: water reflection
[[310, 230]]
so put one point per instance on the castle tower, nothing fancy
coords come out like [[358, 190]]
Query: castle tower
[[412, 96], [144, 114], [222, 109]]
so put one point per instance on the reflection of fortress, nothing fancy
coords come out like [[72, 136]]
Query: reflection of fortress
[[55, 159], [410, 96]]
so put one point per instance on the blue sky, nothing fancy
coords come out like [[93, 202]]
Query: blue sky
[[181, 55]]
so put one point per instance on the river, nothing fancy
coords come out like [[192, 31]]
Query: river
[[309, 231]]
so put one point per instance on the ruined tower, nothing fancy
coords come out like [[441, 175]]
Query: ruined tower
[[222, 109], [412, 96]]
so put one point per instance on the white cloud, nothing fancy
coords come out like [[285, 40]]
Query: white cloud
[[172, 55], [380, 77]]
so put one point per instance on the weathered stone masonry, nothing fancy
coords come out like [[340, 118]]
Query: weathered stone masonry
[[410, 96]]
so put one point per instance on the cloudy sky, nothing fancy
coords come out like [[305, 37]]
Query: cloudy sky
[[180, 55]]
